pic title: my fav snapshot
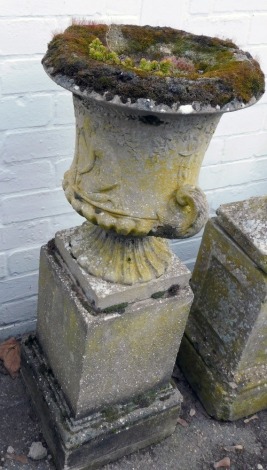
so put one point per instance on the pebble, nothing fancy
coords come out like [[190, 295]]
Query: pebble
[[37, 451], [10, 450]]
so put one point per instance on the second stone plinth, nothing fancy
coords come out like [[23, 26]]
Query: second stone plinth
[[224, 351]]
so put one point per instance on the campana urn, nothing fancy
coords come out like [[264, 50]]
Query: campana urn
[[147, 101]]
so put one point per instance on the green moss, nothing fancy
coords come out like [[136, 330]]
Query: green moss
[[110, 413], [146, 399], [167, 66], [245, 78], [215, 72], [116, 308], [158, 295]]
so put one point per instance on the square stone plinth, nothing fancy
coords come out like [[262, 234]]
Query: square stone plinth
[[105, 295], [100, 437], [100, 359], [224, 351]]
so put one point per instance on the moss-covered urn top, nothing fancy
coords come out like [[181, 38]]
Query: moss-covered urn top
[[159, 69]]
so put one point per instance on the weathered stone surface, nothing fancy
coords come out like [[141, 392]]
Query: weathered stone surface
[[246, 223], [152, 188], [106, 294], [119, 258], [107, 358], [224, 351], [103, 436]]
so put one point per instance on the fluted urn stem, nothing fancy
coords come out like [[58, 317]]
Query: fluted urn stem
[[118, 258]]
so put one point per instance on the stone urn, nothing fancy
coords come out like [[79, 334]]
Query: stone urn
[[147, 101], [113, 301]]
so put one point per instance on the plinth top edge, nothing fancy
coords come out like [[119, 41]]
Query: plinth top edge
[[246, 222], [154, 69]]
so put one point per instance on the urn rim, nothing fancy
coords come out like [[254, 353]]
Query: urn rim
[[230, 80]]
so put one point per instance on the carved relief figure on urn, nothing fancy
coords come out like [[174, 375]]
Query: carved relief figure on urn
[[147, 102]]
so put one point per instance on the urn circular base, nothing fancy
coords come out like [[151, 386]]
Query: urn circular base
[[117, 258]]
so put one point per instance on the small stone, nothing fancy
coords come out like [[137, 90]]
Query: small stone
[[10, 450], [224, 463], [182, 422], [247, 420], [233, 385], [259, 466], [37, 451], [232, 448]]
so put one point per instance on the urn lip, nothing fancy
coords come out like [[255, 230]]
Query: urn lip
[[153, 69]]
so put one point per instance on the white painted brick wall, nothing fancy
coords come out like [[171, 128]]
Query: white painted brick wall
[[37, 129]]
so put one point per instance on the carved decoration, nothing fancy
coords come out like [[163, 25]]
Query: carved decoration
[[117, 258], [137, 178]]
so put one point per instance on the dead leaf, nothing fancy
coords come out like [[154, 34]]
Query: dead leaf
[[224, 463], [17, 458], [192, 412], [232, 448], [250, 419], [183, 422], [10, 355]]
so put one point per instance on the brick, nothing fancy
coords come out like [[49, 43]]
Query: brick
[[245, 146], [25, 234], [158, 13], [20, 310], [235, 193], [34, 144], [241, 122], [31, 206], [120, 7], [28, 176], [79, 7], [25, 75], [190, 264], [3, 265], [61, 166], [200, 7], [231, 174], [258, 29], [64, 111], [18, 287], [25, 35], [234, 27], [64, 221], [23, 261], [215, 152], [26, 111], [186, 249], [17, 329], [245, 5]]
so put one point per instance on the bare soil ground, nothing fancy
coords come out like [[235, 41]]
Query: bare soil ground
[[197, 444]]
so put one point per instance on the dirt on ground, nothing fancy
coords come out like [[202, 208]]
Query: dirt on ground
[[198, 443]]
